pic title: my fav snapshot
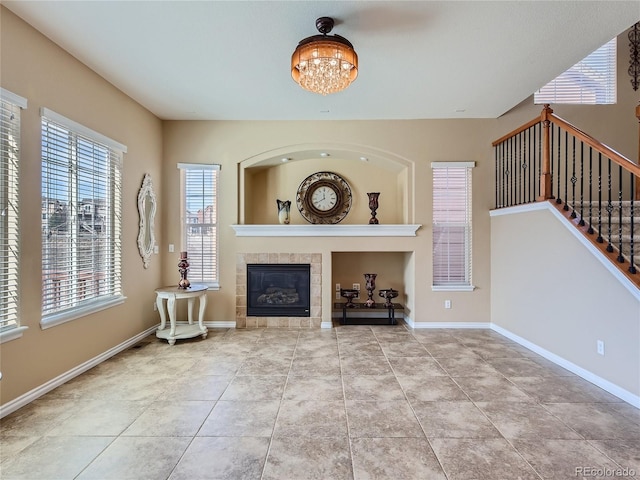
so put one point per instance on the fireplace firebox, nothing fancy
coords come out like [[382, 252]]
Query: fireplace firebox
[[278, 290]]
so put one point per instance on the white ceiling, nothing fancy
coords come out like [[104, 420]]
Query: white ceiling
[[230, 60]]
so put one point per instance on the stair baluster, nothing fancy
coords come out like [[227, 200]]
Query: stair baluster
[[590, 230], [581, 222], [620, 257], [609, 209], [574, 180], [632, 268], [529, 167]]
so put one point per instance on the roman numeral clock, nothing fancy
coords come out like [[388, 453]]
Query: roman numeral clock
[[324, 197]]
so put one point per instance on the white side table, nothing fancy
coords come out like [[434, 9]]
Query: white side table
[[171, 295]]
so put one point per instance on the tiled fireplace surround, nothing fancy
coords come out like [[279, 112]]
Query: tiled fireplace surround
[[313, 259]]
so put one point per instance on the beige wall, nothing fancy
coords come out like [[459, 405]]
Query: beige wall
[[417, 143], [563, 298], [46, 76], [36, 69]]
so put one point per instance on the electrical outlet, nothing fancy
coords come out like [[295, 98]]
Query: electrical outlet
[[337, 295], [337, 287], [156, 249], [356, 286], [171, 248], [600, 347], [447, 304]]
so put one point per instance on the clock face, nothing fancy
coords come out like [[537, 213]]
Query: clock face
[[324, 197]]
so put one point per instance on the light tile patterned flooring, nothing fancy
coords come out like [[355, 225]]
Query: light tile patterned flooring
[[362, 402]]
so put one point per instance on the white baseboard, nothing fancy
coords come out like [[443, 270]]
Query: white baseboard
[[37, 392], [221, 324], [606, 385], [417, 325]]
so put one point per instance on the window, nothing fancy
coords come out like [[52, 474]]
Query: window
[[452, 225], [590, 81], [199, 212], [10, 105], [81, 220]]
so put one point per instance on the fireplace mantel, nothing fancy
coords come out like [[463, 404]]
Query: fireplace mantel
[[326, 230]]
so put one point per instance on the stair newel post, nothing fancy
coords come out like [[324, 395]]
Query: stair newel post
[[545, 177]]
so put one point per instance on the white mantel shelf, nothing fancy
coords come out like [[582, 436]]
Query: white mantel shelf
[[326, 230]]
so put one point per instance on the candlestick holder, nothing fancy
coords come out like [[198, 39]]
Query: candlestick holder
[[183, 268]]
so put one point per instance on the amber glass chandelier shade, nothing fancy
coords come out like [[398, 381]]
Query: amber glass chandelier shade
[[324, 64]]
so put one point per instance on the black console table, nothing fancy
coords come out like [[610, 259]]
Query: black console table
[[362, 308]]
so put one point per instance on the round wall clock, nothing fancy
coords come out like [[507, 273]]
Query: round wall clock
[[324, 197]]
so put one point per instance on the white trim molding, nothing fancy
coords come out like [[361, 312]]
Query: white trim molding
[[326, 230], [12, 334], [483, 325], [606, 385], [82, 130], [37, 392], [13, 98]]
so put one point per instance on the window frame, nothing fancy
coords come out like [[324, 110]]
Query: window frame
[[578, 84], [196, 260], [10, 325], [467, 284], [79, 134]]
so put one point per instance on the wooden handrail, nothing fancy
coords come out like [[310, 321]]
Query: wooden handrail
[[518, 130], [607, 151], [600, 147]]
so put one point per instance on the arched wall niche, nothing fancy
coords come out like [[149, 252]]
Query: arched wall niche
[[277, 173]]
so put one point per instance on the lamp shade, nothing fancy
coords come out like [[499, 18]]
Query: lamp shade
[[324, 63]]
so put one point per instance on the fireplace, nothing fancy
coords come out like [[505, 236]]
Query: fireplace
[[278, 290]]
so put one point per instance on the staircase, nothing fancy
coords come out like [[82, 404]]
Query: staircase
[[614, 231], [548, 159]]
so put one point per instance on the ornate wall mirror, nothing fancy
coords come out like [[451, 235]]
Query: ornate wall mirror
[[147, 211]]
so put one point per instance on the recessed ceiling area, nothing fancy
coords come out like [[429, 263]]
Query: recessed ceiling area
[[230, 60], [341, 152]]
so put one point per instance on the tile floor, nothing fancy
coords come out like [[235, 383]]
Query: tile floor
[[353, 402]]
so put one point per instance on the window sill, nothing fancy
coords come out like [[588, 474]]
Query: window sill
[[12, 334], [64, 317], [453, 288]]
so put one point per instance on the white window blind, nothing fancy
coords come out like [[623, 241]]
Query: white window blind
[[81, 219], [452, 224], [10, 105], [199, 212], [590, 81]]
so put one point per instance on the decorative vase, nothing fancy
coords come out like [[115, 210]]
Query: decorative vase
[[388, 294], [284, 208], [373, 205], [370, 286], [349, 294], [183, 268]]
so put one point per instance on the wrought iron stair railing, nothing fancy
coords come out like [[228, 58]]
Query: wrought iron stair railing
[[548, 159]]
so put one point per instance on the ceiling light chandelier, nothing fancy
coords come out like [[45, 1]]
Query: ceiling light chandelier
[[324, 63]]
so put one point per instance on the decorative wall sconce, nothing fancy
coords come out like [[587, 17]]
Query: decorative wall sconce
[[634, 62]]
